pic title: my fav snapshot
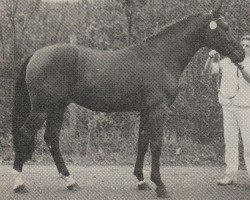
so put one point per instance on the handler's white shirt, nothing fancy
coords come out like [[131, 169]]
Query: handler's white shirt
[[234, 90]]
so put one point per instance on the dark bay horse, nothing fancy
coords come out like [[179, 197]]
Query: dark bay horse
[[141, 78]]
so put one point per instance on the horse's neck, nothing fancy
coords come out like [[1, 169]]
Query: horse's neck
[[179, 48]]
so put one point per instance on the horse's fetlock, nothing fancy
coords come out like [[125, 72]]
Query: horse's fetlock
[[156, 179], [153, 178], [64, 172], [139, 175]]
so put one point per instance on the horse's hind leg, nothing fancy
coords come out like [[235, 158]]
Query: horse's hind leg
[[51, 137], [143, 142], [28, 131]]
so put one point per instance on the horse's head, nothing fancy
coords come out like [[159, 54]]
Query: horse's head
[[218, 37]]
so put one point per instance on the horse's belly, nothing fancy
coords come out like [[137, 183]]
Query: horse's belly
[[107, 100]]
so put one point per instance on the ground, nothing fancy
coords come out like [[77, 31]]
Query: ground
[[118, 183]]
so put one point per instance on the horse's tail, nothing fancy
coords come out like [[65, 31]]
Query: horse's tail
[[21, 104]]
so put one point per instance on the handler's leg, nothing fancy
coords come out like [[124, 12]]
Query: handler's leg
[[231, 138], [244, 124]]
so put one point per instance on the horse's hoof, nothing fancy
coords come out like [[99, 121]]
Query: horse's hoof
[[21, 189], [143, 186], [74, 187], [162, 192]]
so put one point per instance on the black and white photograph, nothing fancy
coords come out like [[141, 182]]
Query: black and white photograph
[[124, 99]]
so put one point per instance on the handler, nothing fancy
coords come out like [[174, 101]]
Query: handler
[[234, 97]]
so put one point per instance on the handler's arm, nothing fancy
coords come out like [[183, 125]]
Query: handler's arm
[[215, 68], [211, 66]]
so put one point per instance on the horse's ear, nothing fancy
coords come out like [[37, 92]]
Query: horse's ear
[[217, 9]]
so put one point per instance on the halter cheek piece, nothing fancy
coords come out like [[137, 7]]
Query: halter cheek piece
[[213, 24]]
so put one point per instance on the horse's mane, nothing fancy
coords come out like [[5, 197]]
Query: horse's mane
[[167, 28]]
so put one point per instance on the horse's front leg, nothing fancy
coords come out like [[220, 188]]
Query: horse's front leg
[[19, 186], [143, 142], [157, 118], [53, 127]]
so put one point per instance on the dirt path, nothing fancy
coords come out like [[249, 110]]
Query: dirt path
[[116, 183]]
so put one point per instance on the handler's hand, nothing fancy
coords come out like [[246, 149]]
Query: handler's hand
[[213, 53]]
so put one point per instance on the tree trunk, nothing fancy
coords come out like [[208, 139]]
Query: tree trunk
[[2, 42], [129, 12]]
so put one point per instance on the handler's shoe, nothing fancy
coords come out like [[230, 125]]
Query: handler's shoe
[[228, 179]]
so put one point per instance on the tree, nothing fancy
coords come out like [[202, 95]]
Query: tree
[[130, 9]]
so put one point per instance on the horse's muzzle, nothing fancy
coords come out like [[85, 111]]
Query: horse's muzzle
[[237, 56]]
